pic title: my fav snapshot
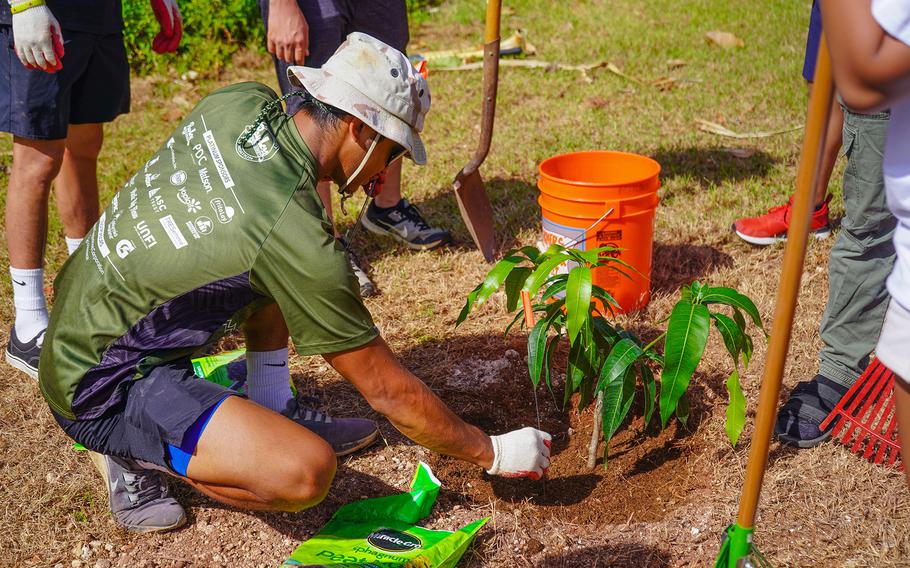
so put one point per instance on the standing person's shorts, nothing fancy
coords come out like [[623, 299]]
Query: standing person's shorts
[[330, 22], [160, 421], [892, 349], [92, 87], [812, 42]]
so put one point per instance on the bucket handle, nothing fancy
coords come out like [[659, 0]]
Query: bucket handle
[[594, 224]]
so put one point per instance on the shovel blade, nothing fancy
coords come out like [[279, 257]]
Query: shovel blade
[[476, 210]]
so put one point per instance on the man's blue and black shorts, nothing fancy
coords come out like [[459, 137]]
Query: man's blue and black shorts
[[160, 421], [93, 86]]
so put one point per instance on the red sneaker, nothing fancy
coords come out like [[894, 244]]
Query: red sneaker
[[772, 227]]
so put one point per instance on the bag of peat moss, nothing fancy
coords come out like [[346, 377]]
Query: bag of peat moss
[[380, 533]]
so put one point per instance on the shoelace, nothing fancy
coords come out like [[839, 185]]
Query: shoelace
[[412, 214], [143, 488], [311, 414]]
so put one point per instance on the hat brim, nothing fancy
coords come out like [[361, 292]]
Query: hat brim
[[331, 90]]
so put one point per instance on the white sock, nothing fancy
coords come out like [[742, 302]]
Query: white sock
[[268, 380], [28, 298], [72, 244]]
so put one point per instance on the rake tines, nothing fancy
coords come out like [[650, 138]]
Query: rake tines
[[866, 422]]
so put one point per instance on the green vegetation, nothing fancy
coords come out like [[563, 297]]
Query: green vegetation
[[605, 361]]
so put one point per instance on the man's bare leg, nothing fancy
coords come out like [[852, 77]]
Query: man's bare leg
[[902, 402], [252, 458], [76, 188], [35, 164]]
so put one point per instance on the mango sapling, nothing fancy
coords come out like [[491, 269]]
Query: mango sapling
[[606, 363]]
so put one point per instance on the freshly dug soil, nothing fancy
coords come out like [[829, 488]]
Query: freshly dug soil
[[648, 473]]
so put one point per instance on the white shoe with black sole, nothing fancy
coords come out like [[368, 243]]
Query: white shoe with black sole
[[24, 355]]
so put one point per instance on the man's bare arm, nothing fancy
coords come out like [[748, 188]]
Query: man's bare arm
[[409, 404], [870, 67]]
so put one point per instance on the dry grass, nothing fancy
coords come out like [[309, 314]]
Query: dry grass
[[821, 507]]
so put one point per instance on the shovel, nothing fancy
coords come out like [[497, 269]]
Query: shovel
[[469, 189], [737, 549]]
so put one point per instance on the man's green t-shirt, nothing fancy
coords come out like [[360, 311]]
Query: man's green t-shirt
[[206, 231]]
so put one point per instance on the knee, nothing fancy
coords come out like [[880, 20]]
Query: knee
[[36, 167], [304, 480], [85, 150]]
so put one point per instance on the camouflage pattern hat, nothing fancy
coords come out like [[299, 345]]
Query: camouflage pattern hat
[[376, 83]]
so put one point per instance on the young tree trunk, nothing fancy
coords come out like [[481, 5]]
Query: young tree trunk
[[595, 435]]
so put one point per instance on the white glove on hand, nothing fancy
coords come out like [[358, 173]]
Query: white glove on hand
[[168, 15], [521, 453], [36, 37]]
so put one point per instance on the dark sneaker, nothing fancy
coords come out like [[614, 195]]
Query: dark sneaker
[[799, 419], [139, 498], [367, 288], [24, 356], [405, 223], [345, 435]]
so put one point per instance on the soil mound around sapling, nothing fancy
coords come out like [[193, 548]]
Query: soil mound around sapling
[[650, 473]]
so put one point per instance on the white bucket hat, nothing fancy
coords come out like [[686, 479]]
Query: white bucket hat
[[376, 83]]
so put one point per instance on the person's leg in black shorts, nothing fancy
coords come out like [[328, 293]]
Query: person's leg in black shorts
[[227, 447], [56, 122]]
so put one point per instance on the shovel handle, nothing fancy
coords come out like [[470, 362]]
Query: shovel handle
[[490, 83], [788, 289]]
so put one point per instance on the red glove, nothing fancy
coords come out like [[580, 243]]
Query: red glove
[[168, 15]]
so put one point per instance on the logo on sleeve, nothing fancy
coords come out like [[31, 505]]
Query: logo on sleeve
[[259, 147]]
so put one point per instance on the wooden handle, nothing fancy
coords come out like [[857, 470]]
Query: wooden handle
[[491, 32], [788, 290]]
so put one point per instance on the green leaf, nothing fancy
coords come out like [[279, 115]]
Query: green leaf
[[519, 317], [542, 272], [736, 409], [514, 282], [578, 300], [555, 286], [746, 338], [551, 347], [650, 388], [731, 334], [491, 283], [621, 357], [577, 369], [682, 410], [605, 335], [606, 298], [531, 252], [687, 335], [730, 297], [537, 350]]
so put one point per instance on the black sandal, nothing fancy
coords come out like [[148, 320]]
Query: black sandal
[[810, 402]]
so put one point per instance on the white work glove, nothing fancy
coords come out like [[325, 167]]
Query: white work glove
[[521, 453], [168, 15], [36, 36]]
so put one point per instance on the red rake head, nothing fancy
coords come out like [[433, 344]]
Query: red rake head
[[866, 422]]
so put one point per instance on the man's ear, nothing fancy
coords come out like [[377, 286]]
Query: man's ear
[[360, 132]]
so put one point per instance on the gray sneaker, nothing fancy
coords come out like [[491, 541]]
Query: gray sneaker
[[139, 498], [404, 223], [24, 356], [367, 288], [345, 435]]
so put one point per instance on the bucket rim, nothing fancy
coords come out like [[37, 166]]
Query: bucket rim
[[551, 159]]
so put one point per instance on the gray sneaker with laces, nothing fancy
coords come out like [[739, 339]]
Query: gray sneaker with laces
[[345, 435], [404, 223], [367, 288], [139, 498], [23, 355]]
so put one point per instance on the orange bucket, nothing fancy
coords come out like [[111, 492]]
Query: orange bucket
[[599, 198]]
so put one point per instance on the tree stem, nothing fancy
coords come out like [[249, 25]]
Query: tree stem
[[595, 435]]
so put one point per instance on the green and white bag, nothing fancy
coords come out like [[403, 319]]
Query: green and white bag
[[381, 533]]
